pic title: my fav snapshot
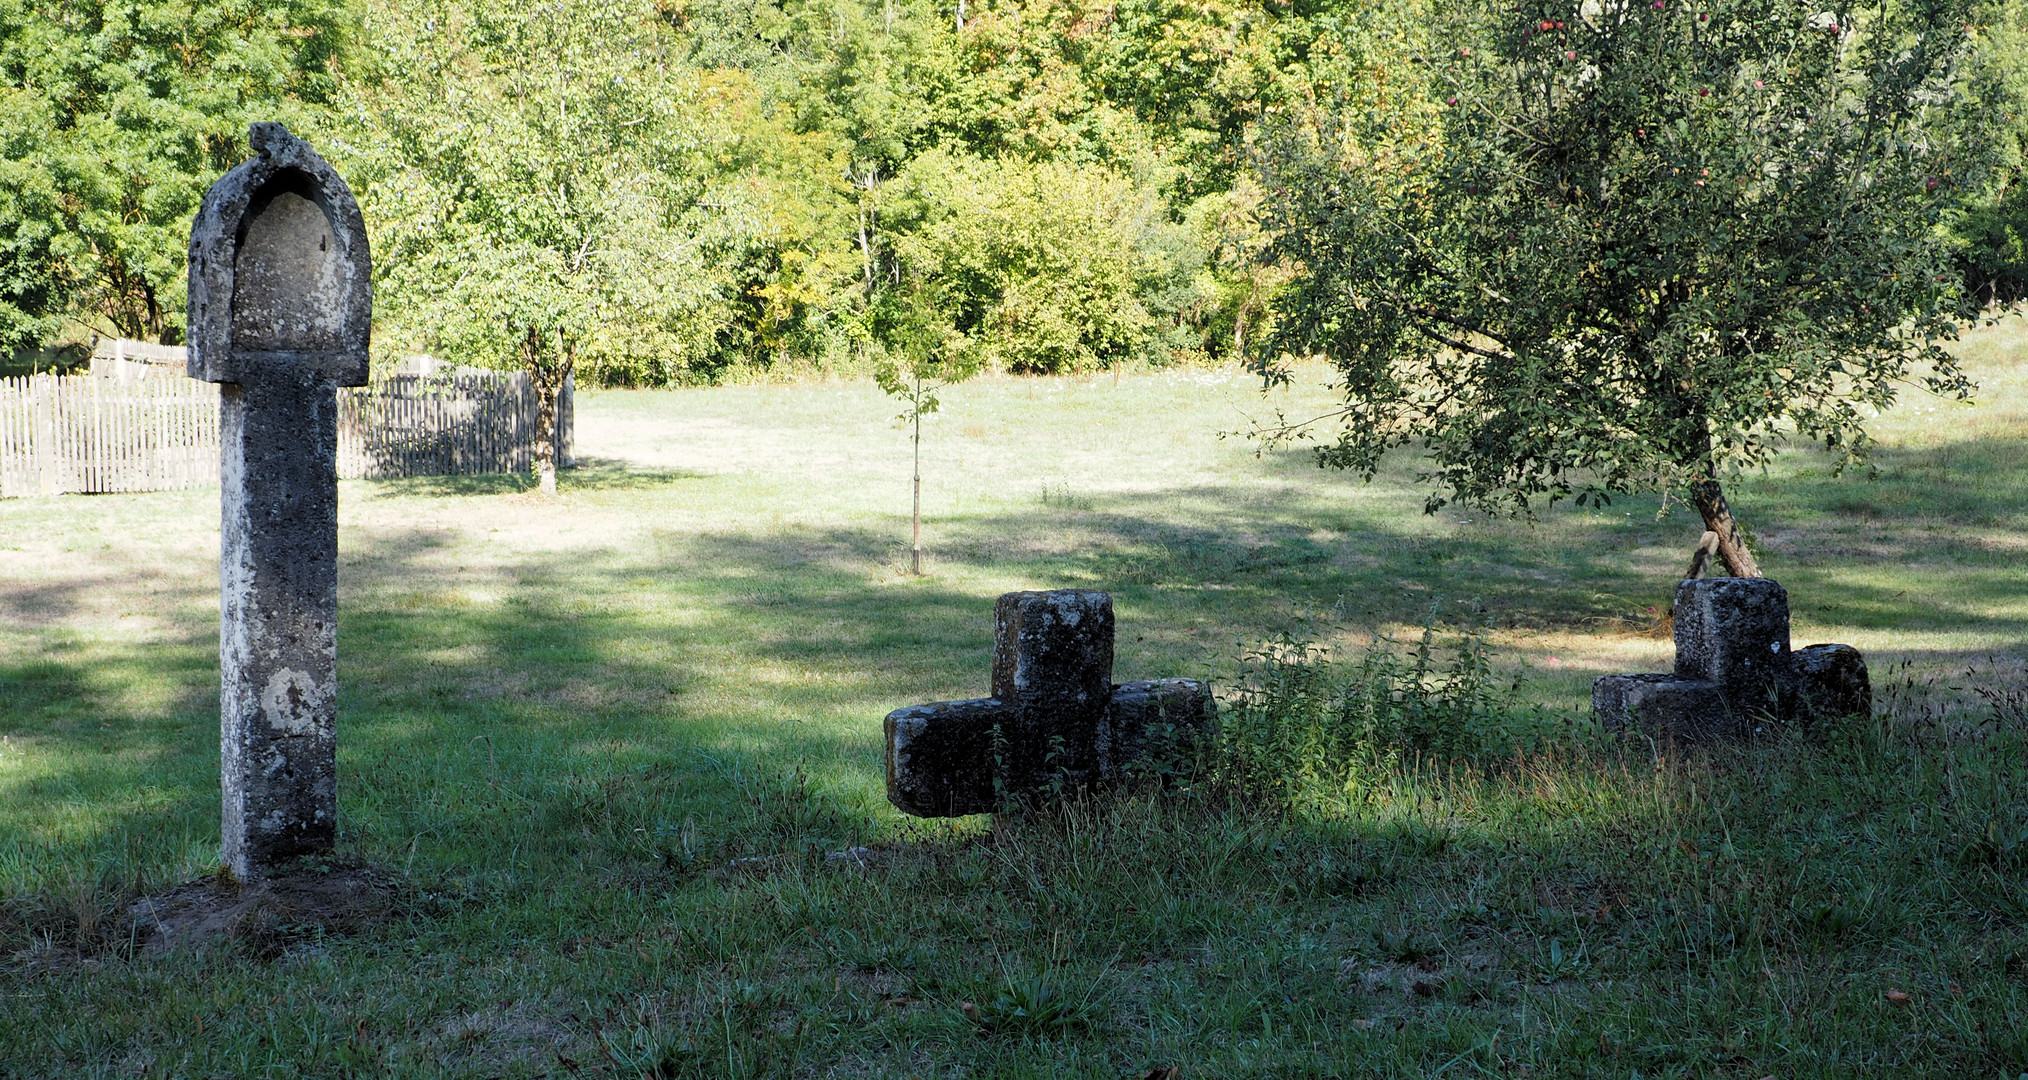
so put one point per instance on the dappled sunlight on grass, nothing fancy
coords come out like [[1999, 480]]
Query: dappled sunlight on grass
[[620, 746]]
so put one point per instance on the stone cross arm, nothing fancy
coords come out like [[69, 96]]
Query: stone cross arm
[[951, 758]]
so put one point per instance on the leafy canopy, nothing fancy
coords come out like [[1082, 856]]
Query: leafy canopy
[[528, 173], [114, 119], [1654, 240], [763, 174]]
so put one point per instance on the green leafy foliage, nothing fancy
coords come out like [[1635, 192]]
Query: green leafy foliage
[[685, 191], [531, 172], [1654, 240], [778, 182], [924, 354], [1994, 227], [527, 173], [114, 118], [1042, 267], [677, 191]]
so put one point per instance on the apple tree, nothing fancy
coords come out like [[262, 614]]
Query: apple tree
[[1650, 242]]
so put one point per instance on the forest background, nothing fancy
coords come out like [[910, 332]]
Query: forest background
[[704, 189]]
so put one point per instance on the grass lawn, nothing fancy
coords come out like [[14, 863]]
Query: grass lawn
[[605, 747]]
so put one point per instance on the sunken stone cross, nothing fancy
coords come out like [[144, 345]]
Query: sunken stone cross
[[1056, 721], [280, 302], [1734, 670]]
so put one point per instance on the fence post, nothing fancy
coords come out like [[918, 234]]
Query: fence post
[[41, 397]]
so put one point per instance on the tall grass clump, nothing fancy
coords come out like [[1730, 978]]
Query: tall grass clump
[[1299, 722]]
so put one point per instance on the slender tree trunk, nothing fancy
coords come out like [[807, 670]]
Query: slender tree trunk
[[869, 223], [1239, 318], [129, 303], [866, 251], [915, 549], [547, 382], [152, 319], [1709, 498]]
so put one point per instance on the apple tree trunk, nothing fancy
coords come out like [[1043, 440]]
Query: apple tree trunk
[[1709, 498], [548, 383]]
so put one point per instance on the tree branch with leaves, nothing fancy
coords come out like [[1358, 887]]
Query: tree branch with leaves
[[534, 175]]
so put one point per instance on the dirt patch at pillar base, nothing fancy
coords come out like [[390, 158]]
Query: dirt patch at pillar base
[[298, 907]]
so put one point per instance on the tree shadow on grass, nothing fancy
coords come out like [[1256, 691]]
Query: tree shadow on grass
[[573, 752], [1942, 524], [576, 708], [621, 770], [581, 709], [1980, 481], [589, 474], [575, 713]]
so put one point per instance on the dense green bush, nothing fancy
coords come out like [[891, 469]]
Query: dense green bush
[[1993, 231], [692, 189], [1074, 182], [1044, 267], [795, 183]]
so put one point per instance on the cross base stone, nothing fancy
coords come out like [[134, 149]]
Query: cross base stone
[[1735, 672], [1056, 723]]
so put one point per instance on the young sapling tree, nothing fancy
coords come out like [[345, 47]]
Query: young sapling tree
[[924, 356]]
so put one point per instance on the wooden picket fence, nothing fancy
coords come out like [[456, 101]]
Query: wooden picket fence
[[85, 433], [81, 433], [455, 424]]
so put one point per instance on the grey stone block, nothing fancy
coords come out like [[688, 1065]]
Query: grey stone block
[[1662, 705], [280, 275], [940, 759], [1733, 631], [1156, 728], [1830, 682], [1054, 649], [1609, 694], [1053, 662]]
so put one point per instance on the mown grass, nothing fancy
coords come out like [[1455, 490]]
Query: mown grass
[[618, 750]]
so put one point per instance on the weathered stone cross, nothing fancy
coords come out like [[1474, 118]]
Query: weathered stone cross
[[1056, 722], [1735, 670], [281, 299]]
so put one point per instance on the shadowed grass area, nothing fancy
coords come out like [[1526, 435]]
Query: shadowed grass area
[[589, 474], [619, 750]]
